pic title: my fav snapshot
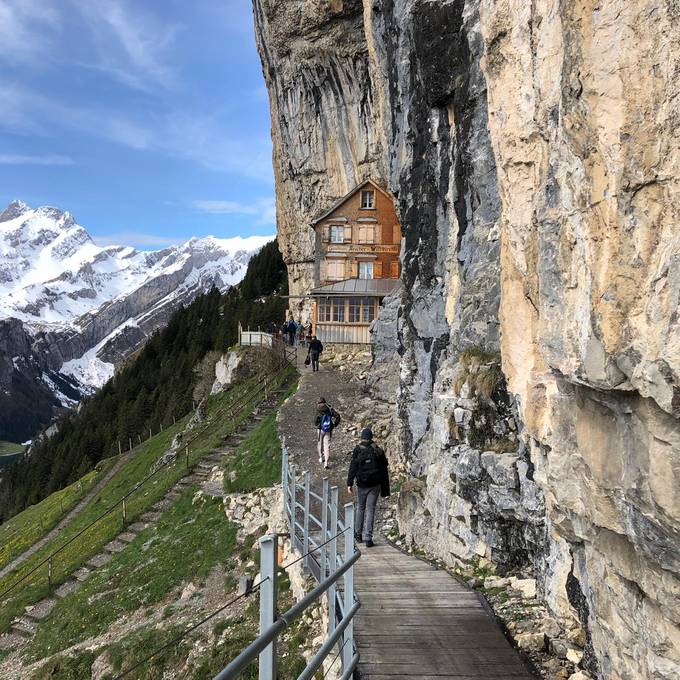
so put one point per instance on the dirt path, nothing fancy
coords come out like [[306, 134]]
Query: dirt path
[[53, 533]]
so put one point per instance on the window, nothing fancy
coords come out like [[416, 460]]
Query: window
[[337, 234], [365, 270], [355, 310], [368, 200], [335, 270], [338, 309], [324, 310], [366, 233], [367, 309]]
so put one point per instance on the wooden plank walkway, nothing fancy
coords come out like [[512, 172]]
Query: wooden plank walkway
[[417, 621]]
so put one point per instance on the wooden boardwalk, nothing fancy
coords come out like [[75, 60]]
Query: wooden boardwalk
[[417, 621]]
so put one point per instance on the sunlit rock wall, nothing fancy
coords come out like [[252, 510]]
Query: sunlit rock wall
[[531, 149]]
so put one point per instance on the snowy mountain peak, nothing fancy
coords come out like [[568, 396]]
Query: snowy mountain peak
[[13, 210]]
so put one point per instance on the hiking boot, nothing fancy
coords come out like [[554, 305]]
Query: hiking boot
[[327, 466], [358, 539], [369, 543]]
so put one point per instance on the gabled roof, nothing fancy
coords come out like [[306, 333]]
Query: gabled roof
[[347, 196], [378, 287]]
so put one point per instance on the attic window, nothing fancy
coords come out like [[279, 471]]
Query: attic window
[[368, 200]]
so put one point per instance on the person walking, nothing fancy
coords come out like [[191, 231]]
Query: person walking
[[314, 352], [327, 419], [368, 468], [292, 327], [308, 331]]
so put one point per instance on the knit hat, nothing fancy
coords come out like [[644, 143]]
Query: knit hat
[[366, 434], [321, 401]]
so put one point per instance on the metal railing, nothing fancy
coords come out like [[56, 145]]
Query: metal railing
[[316, 533]]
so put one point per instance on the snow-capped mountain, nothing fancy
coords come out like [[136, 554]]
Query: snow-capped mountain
[[71, 310]]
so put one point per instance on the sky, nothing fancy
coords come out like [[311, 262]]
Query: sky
[[148, 120]]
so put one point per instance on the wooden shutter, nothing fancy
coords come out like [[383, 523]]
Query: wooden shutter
[[327, 233], [348, 233], [377, 234], [354, 269], [377, 269], [394, 269]]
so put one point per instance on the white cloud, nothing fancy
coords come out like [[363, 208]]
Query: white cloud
[[15, 159], [22, 30], [131, 45], [264, 207]]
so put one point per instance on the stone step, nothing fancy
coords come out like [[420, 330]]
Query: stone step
[[127, 536], [214, 489], [67, 588], [173, 496], [11, 641], [150, 516], [115, 546], [99, 560], [82, 574], [41, 609], [138, 527], [161, 505], [24, 626]]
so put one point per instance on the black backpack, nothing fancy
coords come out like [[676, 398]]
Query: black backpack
[[368, 469]]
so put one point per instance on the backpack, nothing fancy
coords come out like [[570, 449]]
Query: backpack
[[326, 424], [368, 470]]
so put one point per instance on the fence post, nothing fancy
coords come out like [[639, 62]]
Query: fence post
[[305, 520], [139, 439], [324, 526], [150, 433], [124, 511], [348, 596], [186, 453], [332, 558], [293, 505], [120, 450], [284, 481], [49, 571], [268, 596]]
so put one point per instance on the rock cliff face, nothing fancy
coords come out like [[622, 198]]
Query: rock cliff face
[[531, 149]]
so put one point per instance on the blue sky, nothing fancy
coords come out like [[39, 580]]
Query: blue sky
[[148, 120]]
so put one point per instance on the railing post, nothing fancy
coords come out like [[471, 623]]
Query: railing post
[[49, 571], [332, 558], [348, 597], [186, 455], [293, 505], [268, 595], [305, 520], [324, 526], [284, 481], [124, 511]]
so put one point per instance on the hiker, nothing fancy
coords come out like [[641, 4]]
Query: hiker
[[292, 327], [301, 334], [308, 331], [314, 352], [369, 469], [327, 419]]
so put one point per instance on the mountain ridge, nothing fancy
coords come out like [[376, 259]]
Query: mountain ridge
[[81, 309]]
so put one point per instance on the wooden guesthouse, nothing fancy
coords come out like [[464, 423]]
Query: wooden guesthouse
[[358, 241]]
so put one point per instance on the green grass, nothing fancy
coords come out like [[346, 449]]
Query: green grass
[[256, 463], [91, 541], [23, 530], [154, 564], [9, 448]]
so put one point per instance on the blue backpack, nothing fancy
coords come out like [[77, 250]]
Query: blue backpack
[[326, 422]]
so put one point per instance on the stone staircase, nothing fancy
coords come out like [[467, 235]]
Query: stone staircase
[[24, 627]]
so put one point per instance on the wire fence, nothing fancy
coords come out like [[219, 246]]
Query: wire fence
[[245, 397]]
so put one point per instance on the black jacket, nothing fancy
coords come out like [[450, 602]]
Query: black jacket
[[321, 412], [382, 464], [315, 347]]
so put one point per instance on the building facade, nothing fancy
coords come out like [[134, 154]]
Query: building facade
[[358, 241]]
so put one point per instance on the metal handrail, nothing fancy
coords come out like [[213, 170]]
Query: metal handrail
[[321, 556]]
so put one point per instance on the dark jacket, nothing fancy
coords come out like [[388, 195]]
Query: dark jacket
[[382, 467], [321, 411], [315, 347]]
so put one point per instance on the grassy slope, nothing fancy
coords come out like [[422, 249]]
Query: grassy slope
[[77, 553], [152, 566], [24, 529]]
